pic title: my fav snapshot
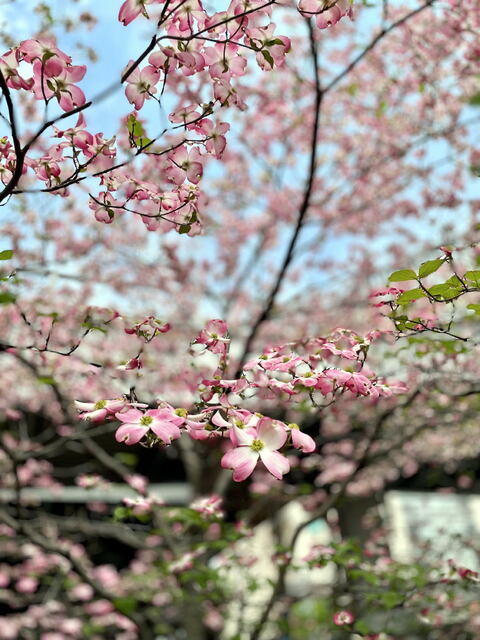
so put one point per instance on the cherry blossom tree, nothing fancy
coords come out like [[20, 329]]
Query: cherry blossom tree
[[203, 293]]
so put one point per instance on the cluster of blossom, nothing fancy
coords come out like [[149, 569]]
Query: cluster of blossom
[[248, 437], [463, 573], [29, 570], [53, 74], [55, 622], [210, 506], [305, 366], [148, 328], [179, 166], [326, 13], [194, 42], [235, 30]]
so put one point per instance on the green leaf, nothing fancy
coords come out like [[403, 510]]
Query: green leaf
[[144, 142], [93, 327], [184, 228], [474, 101], [409, 296], [382, 107], [46, 380], [473, 276], [127, 458], [402, 275], [6, 254], [446, 290], [455, 281], [7, 298], [120, 513], [268, 57], [137, 132], [439, 289], [126, 605], [362, 627], [426, 268], [134, 127], [391, 599], [474, 307]]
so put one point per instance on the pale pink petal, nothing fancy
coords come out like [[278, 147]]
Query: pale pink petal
[[238, 456], [95, 416], [242, 460], [150, 75], [219, 421], [165, 430], [302, 441], [216, 326], [271, 435], [243, 471], [242, 436], [129, 10], [53, 67], [195, 172], [199, 434], [76, 72], [132, 415], [84, 406], [166, 415], [134, 96], [130, 433], [277, 464]]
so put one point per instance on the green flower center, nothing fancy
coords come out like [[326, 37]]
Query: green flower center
[[257, 445], [101, 404], [146, 420], [183, 413]]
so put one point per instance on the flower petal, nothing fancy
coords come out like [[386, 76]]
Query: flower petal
[[273, 436], [302, 441], [242, 436], [167, 431], [130, 416], [277, 464], [242, 460], [130, 433]]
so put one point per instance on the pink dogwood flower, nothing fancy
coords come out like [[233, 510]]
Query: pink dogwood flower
[[136, 424], [53, 79], [326, 17], [224, 61], [253, 443], [141, 84], [208, 506], [214, 336], [131, 9], [216, 140], [185, 165], [342, 618], [98, 411], [9, 69], [301, 440]]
